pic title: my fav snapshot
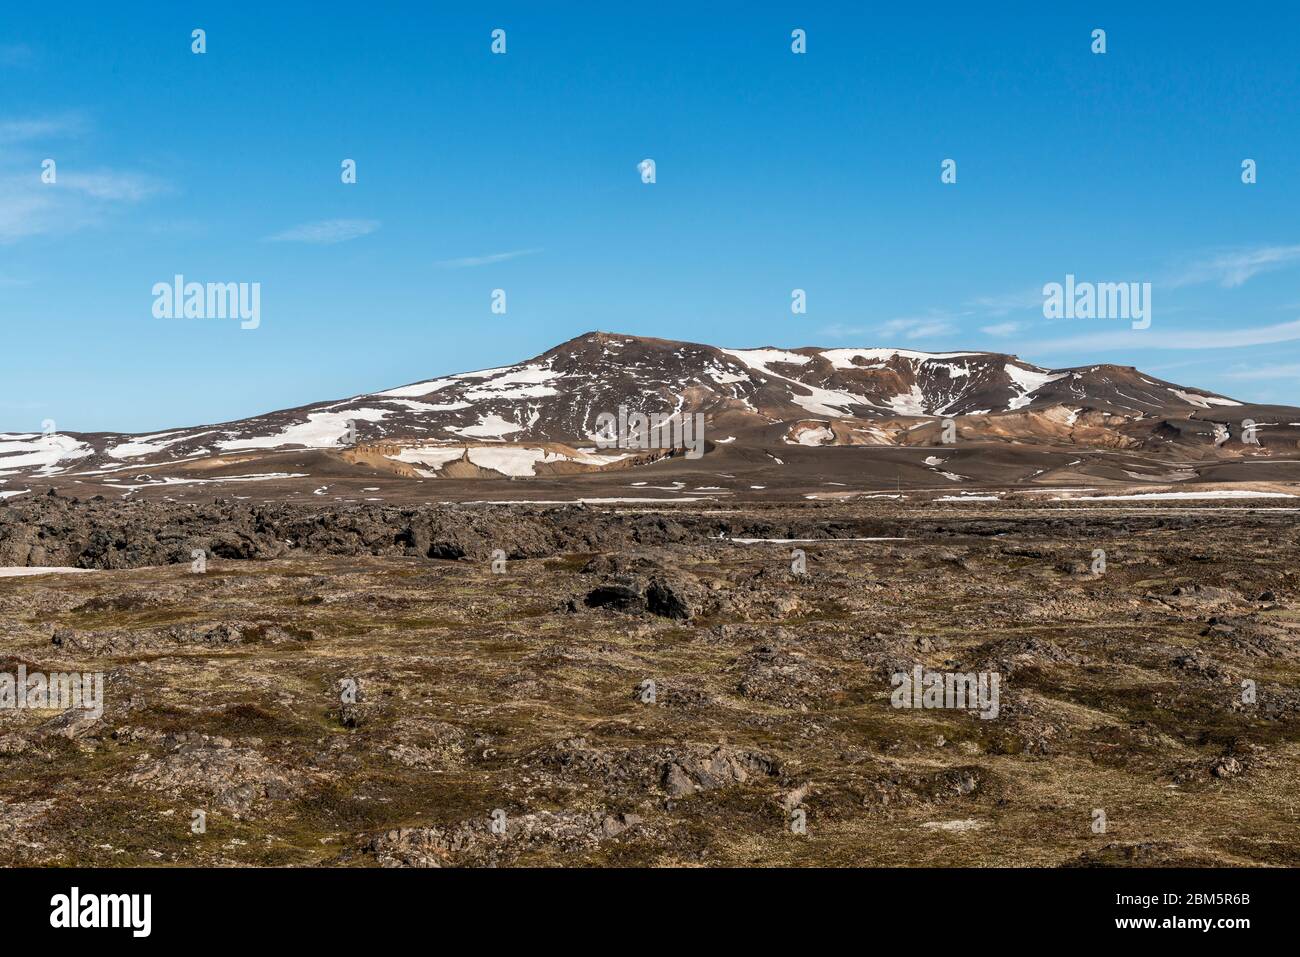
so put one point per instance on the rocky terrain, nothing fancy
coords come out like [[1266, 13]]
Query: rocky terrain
[[691, 683]]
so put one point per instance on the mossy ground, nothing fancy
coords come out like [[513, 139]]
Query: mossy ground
[[467, 680]]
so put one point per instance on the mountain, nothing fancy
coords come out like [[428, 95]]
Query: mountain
[[540, 417]]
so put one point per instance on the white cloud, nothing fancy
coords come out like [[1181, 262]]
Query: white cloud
[[468, 261], [1275, 371], [1222, 338], [911, 327], [326, 232], [111, 186], [24, 213], [1001, 329], [41, 128], [29, 207], [76, 199], [919, 327], [1234, 267], [1007, 302]]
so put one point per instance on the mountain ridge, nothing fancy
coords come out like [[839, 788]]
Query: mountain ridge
[[538, 416]]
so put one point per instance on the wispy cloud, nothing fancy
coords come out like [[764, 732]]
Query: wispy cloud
[[41, 128], [29, 207], [77, 198], [906, 327], [1001, 329], [919, 327], [24, 212], [488, 260], [1232, 268], [112, 186], [326, 232], [1222, 338], [1006, 303], [1275, 371], [1196, 362]]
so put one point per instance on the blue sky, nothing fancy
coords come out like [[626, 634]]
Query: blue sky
[[774, 171]]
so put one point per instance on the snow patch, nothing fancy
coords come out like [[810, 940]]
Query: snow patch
[[1202, 401], [1028, 380], [911, 403], [843, 358], [23, 571], [322, 430], [815, 436], [1169, 496], [46, 452], [490, 426], [819, 401], [417, 389]]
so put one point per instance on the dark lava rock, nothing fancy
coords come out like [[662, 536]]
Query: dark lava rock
[[669, 599], [621, 597]]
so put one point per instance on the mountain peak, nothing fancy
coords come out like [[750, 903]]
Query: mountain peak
[[544, 411]]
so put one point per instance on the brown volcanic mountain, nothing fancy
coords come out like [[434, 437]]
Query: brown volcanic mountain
[[761, 406]]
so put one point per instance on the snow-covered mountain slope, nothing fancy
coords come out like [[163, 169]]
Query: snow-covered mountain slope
[[546, 408]]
